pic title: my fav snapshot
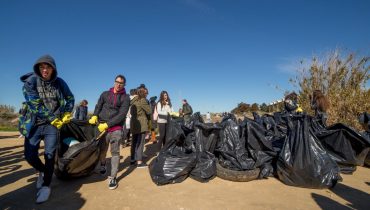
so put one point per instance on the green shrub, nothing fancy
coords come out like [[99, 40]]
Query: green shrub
[[343, 79]]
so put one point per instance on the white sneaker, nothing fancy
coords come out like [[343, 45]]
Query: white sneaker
[[43, 194], [40, 180]]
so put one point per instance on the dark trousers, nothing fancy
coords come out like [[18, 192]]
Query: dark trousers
[[137, 146], [49, 134], [162, 134]]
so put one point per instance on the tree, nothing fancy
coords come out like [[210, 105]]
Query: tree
[[264, 107], [343, 79], [254, 107]]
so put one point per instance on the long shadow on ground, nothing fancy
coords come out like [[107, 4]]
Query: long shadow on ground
[[356, 199]]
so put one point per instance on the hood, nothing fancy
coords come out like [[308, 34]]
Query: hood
[[49, 60]]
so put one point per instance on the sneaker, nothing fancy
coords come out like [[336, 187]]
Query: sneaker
[[40, 180], [112, 183], [142, 165], [43, 194], [103, 170]]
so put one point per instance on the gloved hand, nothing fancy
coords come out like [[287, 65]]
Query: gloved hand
[[57, 123], [66, 117], [102, 127], [299, 109], [93, 120]]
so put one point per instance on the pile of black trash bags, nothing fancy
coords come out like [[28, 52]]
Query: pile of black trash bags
[[295, 148]]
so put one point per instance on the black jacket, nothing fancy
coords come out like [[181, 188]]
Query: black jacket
[[112, 108]]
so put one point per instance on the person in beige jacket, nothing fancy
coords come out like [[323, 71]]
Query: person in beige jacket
[[140, 115]]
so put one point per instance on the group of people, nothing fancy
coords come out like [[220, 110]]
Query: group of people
[[49, 105]]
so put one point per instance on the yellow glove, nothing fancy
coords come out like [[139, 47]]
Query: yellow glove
[[93, 120], [57, 123], [299, 109], [66, 117], [174, 114], [102, 127]]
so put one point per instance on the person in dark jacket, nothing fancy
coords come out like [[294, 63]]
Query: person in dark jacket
[[110, 112], [187, 111], [140, 115], [81, 111], [48, 106], [320, 103]]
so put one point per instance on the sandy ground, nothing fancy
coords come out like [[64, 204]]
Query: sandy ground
[[137, 191]]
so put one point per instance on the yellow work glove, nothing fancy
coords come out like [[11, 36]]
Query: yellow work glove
[[174, 114], [66, 117], [57, 123], [93, 120], [102, 127], [299, 109]]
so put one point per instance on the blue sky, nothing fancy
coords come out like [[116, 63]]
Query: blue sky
[[215, 53]]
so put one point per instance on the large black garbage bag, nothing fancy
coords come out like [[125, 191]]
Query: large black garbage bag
[[206, 138], [258, 146], [208, 134], [345, 145], [79, 159], [195, 118], [366, 134], [303, 161], [174, 162], [230, 149]]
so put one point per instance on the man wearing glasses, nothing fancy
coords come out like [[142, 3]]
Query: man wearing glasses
[[48, 106], [110, 113]]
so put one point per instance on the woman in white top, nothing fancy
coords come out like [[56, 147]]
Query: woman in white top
[[162, 112]]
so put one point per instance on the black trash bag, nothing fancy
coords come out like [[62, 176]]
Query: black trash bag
[[209, 135], [174, 162], [366, 134], [81, 158], [195, 118], [230, 149], [205, 168], [259, 147], [303, 161], [345, 145], [257, 118]]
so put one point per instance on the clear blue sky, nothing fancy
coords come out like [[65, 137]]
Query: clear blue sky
[[215, 53]]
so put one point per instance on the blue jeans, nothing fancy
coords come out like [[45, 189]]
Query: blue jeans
[[49, 134]]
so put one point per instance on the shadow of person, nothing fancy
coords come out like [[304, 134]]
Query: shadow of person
[[356, 199], [150, 151], [125, 165]]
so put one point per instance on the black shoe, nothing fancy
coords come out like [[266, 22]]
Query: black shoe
[[132, 162], [142, 165], [112, 183]]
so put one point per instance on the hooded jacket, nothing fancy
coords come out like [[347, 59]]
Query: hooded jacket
[[112, 108], [140, 110], [45, 100]]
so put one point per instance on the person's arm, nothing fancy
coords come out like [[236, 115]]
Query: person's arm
[[67, 95], [99, 105]]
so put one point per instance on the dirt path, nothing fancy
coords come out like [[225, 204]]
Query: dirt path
[[137, 191]]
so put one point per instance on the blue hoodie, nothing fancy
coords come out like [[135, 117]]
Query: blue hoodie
[[45, 100]]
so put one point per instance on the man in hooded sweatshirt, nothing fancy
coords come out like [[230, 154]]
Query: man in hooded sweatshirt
[[110, 112], [48, 106]]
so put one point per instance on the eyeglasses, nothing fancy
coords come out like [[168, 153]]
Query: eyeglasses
[[120, 83]]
